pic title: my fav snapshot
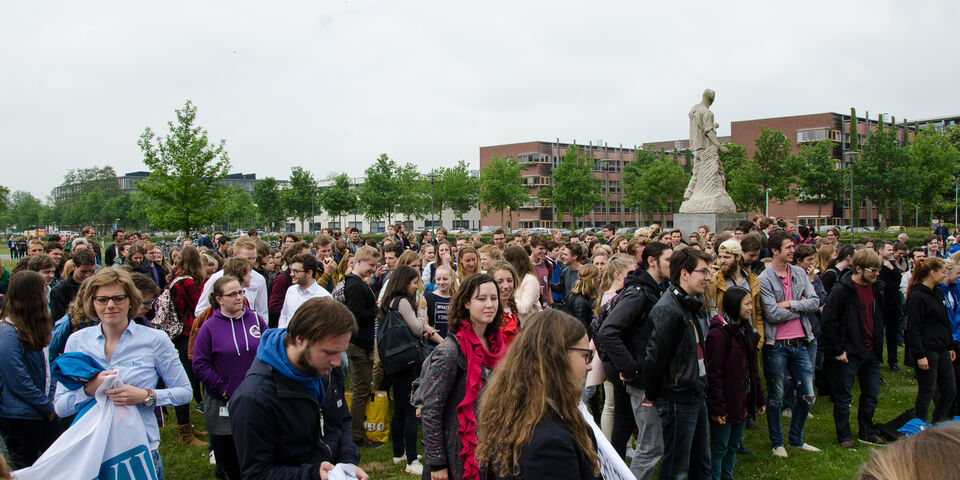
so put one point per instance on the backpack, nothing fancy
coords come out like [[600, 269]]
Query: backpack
[[165, 312], [418, 389], [397, 346], [605, 310]]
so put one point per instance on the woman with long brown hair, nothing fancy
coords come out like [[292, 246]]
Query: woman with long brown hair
[[461, 364], [27, 417], [528, 290], [185, 290], [530, 425], [506, 277], [468, 262], [930, 339]]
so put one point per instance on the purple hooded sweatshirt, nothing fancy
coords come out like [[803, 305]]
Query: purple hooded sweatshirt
[[225, 348]]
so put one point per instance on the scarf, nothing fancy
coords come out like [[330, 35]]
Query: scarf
[[477, 357], [273, 353]]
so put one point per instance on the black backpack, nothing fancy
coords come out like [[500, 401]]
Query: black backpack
[[397, 346]]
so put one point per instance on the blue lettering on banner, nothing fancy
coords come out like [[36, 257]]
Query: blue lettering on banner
[[134, 464]]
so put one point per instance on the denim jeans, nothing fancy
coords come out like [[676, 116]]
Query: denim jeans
[[157, 463], [790, 395], [649, 436], [778, 361], [940, 374], [868, 371], [724, 442], [686, 446]]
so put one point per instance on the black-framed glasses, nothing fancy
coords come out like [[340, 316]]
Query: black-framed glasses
[[238, 293], [588, 353], [116, 299], [705, 271], [296, 271], [872, 270]]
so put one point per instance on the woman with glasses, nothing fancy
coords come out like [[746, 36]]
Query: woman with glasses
[[139, 355], [224, 350], [530, 425]]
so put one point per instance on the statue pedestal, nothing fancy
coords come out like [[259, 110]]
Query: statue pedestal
[[718, 222]]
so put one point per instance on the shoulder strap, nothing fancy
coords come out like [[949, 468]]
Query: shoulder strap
[[395, 304]]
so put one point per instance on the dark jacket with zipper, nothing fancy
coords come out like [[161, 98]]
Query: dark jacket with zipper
[[362, 302], [733, 376], [842, 326], [670, 370], [928, 326], [580, 307], [281, 432], [624, 333]]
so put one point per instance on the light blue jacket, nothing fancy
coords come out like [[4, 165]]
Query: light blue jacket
[[26, 391]]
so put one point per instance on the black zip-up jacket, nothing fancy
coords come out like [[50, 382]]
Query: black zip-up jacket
[[580, 307], [281, 432], [670, 369], [362, 302], [624, 333], [928, 326], [842, 326]]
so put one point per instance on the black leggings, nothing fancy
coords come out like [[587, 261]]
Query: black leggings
[[226, 454], [183, 411], [403, 426], [27, 439], [624, 422]]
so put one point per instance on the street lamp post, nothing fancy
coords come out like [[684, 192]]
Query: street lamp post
[[766, 202]]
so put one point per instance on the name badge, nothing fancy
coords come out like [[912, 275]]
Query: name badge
[[224, 412], [703, 367]]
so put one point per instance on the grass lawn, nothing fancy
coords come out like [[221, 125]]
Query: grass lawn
[[897, 395]]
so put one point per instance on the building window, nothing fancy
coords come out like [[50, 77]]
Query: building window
[[334, 225], [812, 135], [461, 224], [378, 227], [357, 225]]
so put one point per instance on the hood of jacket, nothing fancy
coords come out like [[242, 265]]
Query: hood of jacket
[[641, 278]]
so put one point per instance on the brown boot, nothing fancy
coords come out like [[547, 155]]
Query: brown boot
[[197, 432], [187, 437]]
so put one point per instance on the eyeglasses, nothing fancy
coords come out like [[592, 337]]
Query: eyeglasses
[[588, 353], [872, 270], [116, 299], [296, 271], [704, 271], [238, 293]]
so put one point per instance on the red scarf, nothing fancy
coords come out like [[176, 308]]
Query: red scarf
[[477, 357]]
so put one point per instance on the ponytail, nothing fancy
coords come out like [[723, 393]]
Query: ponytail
[[922, 269]]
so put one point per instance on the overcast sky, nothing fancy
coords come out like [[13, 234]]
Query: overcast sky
[[330, 85]]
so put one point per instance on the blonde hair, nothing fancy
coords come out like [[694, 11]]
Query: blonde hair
[[106, 277], [587, 278], [928, 454], [824, 255], [367, 253], [618, 263], [454, 283]]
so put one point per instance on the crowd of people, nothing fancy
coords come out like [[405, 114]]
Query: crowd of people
[[674, 344]]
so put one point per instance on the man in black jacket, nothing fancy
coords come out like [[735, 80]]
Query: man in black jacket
[[360, 299], [65, 291], [623, 338], [853, 335], [288, 417], [674, 372]]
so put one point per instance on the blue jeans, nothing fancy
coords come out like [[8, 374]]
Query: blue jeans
[[790, 396], [157, 463], [686, 448], [724, 442], [868, 371], [779, 360]]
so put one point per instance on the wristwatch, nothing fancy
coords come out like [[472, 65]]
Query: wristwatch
[[151, 398]]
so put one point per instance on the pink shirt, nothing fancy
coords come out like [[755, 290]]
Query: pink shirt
[[791, 328]]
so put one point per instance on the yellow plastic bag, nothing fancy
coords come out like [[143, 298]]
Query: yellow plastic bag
[[377, 421]]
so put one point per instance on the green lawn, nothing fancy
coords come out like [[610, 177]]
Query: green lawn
[[897, 395]]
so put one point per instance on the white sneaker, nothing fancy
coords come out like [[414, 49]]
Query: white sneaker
[[415, 468], [806, 447], [403, 459], [780, 452], [809, 415], [787, 413], [213, 459]]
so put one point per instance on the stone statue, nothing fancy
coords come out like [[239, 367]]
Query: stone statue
[[707, 191]]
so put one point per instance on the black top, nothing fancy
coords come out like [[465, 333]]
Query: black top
[[928, 326], [552, 453], [437, 308]]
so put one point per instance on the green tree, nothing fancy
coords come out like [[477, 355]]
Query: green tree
[[300, 199], [339, 199], [772, 167], [457, 188], [936, 161], [660, 182], [378, 193], [885, 171], [24, 210], [4, 199], [270, 208], [501, 187], [575, 189], [412, 193], [633, 191], [185, 173], [821, 181], [238, 208], [86, 193]]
